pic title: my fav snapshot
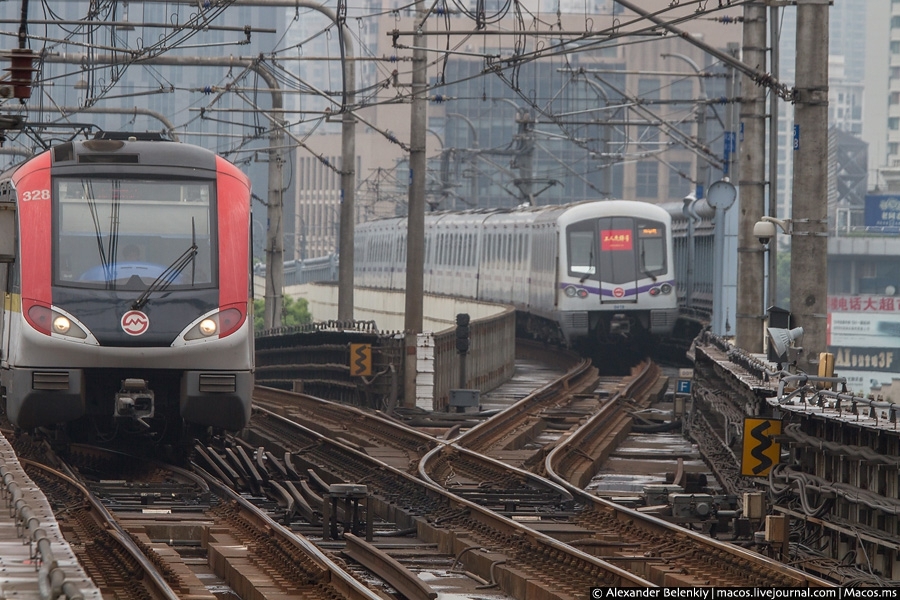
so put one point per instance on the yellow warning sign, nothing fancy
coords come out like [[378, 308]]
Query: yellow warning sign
[[761, 452], [361, 360]]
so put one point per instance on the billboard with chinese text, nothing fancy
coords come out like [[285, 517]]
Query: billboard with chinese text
[[864, 336], [882, 210]]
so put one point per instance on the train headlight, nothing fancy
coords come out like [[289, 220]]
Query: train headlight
[[666, 288], [61, 325], [654, 291], [208, 327], [571, 291], [221, 324], [51, 322], [582, 293]]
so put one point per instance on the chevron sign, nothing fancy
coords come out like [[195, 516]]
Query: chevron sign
[[361, 360]]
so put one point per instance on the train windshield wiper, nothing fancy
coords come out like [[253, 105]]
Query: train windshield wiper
[[588, 271], [107, 255], [644, 266], [165, 279]]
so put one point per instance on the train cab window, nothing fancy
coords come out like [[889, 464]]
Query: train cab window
[[652, 248], [127, 233], [582, 243], [616, 249]]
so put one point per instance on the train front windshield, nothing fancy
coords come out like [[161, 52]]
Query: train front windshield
[[616, 249], [128, 233]]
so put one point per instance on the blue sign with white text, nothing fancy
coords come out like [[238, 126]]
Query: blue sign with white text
[[683, 386], [882, 210]]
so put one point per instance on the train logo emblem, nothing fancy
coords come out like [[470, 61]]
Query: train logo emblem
[[619, 292], [134, 322]]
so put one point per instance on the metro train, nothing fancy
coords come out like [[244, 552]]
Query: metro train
[[126, 289], [579, 275]]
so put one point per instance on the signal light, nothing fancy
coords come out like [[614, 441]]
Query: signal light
[[20, 70], [462, 333]]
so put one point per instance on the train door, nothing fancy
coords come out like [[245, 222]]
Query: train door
[[7, 257], [617, 261]]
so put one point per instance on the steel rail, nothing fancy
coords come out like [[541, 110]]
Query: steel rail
[[391, 570], [572, 446], [484, 520], [114, 530], [340, 579]]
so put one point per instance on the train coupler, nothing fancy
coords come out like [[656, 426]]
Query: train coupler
[[134, 401], [620, 325]]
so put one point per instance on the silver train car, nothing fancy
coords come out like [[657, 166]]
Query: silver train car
[[579, 275], [125, 271]]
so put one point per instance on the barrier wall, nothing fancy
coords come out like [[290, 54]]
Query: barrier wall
[[489, 362]]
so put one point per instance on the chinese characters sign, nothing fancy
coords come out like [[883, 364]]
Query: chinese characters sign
[[615, 239], [882, 211]]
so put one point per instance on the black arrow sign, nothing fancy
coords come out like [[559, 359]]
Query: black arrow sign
[[360, 360], [758, 433]]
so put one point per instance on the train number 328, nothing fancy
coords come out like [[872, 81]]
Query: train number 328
[[34, 195]]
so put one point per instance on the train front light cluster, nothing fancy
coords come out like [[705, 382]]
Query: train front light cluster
[[573, 292], [49, 321], [663, 289], [221, 324]]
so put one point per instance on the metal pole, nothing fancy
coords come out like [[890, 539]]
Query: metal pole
[[718, 325], [809, 240], [774, 57], [415, 230], [749, 334], [525, 157], [348, 187], [688, 211], [274, 296]]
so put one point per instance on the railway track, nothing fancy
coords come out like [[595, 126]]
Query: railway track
[[136, 524], [656, 551], [496, 549], [351, 503]]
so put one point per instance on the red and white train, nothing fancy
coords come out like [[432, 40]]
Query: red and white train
[[126, 279]]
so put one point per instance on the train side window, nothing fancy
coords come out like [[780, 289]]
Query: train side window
[[454, 249], [582, 244]]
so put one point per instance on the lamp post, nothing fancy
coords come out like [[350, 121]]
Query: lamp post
[[721, 197]]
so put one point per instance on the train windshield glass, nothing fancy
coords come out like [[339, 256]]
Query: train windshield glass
[[652, 245], [616, 249], [127, 233]]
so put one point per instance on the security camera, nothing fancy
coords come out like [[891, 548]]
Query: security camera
[[764, 230]]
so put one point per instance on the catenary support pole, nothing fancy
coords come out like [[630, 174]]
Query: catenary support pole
[[751, 254], [415, 230], [809, 209]]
